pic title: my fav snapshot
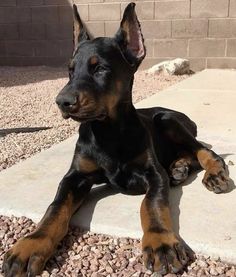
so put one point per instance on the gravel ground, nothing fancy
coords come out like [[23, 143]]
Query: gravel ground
[[27, 97], [27, 100], [88, 254]]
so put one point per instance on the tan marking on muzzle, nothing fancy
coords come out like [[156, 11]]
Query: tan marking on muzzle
[[84, 99]]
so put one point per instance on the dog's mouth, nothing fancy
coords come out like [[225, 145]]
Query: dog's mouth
[[88, 118], [84, 118]]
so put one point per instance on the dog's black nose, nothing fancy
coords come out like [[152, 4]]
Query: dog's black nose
[[66, 102]]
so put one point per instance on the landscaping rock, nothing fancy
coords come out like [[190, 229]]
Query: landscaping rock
[[172, 67], [88, 255]]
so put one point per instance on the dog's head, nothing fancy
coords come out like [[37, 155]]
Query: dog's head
[[101, 70]]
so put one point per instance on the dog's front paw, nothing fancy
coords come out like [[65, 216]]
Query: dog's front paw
[[27, 257], [216, 179], [163, 253]]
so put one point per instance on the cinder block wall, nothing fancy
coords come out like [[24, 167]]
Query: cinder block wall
[[35, 32]]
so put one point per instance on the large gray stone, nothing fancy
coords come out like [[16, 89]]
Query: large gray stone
[[172, 67]]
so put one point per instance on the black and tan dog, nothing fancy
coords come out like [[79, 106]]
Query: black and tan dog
[[135, 151]]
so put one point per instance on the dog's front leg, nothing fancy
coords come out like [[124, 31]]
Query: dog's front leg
[[29, 255], [162, 250]]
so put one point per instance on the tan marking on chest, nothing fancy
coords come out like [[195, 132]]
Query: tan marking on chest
[[87, 165]]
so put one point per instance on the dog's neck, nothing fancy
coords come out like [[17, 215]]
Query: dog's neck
[[125, 113], [124, 123], [122, 137], [125, 120], [124, 110]]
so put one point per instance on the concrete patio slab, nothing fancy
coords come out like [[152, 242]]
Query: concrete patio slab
[[204, 220]]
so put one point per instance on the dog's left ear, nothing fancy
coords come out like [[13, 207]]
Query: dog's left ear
[[79, 32], [130, 38]]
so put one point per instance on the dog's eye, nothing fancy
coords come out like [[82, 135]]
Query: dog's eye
[[98, 70]]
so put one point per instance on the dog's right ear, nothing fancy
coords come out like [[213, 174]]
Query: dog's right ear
[[79, 32], [130, 38]]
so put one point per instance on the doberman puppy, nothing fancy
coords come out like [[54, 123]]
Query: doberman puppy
[[135, 151]]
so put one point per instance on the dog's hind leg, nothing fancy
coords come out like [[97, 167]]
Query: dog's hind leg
[[216, 176], [180, 168]]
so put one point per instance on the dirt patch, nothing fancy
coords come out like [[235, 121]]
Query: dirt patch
[[27, 97]]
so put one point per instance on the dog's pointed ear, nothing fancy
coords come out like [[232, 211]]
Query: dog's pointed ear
[[79, 32], [130, 38]]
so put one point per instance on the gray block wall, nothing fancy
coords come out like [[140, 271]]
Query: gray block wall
[[39, 32]]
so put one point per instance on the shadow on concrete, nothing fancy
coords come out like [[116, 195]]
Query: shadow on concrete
[[4, 132], [231, 181], [97, 193], [175, 198]]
